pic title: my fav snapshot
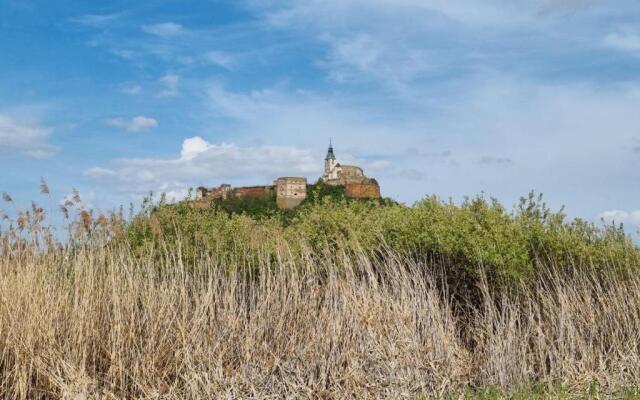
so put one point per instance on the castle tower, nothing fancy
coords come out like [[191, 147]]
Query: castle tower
[[330, 164]]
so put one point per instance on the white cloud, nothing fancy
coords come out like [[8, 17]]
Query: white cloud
[[170, 83], [623, 41], [202, 162], [99, 172], [631, 219], [376, 57], [125, 53], [130, 88], [379, 165], [191, 147], [487, 13], [165, 29], [135, 124], [221, 59], [284, 116], [635, 217], [614, 216], [96, 20], [25, 137], [382, 41], [395, 43]]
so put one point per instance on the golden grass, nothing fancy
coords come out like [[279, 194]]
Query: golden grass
[[95, 322]]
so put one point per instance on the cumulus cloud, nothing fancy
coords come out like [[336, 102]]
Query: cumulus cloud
[[164, 29], [135, 124], [202, 162], [25, 137]]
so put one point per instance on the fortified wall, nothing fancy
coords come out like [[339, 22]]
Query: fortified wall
[[252, 192], [363, 190], [289, 191]]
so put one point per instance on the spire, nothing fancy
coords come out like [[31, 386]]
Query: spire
[[330, 155]]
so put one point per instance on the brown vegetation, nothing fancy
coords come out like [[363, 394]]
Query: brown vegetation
[[98, 322]]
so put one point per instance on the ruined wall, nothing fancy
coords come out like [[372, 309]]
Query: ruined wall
[[291, 191], [291, 187], [363, 190], [253, 192], [350, 172], [289, 202], [220, 192]]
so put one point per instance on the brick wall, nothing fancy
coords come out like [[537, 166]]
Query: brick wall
[[363, 190], [252, 191]]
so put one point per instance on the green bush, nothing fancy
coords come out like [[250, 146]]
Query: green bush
[[479, 232]]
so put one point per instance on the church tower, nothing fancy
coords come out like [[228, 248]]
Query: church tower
[[330, 164]]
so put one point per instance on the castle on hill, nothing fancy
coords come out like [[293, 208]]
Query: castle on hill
[[291, 191]]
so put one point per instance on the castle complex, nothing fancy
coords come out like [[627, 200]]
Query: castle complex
[[352, 177], [291, 191]]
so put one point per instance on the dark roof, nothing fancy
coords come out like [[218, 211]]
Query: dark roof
[[330, 155]]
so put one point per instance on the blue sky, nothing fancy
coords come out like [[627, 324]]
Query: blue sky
[[452, 97]]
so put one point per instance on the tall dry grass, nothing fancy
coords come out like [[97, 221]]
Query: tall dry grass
[[95, 322]]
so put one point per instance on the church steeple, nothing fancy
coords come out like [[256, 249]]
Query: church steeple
[[330, 155], [330, 164]]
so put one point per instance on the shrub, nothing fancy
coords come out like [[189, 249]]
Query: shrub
[[477, 232]]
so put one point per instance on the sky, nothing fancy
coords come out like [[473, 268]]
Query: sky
[[447, 97]]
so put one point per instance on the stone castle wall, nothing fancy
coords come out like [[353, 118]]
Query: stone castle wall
[[289, 202], [252, 192], [220, 192], [291, 191], [363, 190]]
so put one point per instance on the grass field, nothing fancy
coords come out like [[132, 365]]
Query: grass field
[[110, 314]]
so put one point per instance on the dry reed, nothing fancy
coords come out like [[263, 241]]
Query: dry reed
[[98, 323]]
